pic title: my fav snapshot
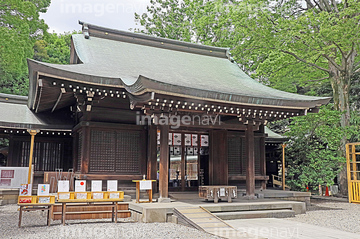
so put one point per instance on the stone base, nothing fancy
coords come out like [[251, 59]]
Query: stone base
[[164, 200], [127, 198], [249, 197]]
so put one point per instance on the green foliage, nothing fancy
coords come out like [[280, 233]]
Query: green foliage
[[53, 48], [19, 28], [313, 152]]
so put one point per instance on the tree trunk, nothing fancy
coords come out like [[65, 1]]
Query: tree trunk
[[340, 82]]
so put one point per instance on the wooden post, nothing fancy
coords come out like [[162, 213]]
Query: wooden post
[[262, 156], [152, 155], [183, 168], [32, 133], [86, 146], [164, 161], [283, 166], [250, 169]]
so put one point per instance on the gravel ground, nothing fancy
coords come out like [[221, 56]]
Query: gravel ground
[[333, 214], [34, 226]]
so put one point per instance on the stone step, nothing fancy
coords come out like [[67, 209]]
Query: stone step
[[281, 213], [298, 207]]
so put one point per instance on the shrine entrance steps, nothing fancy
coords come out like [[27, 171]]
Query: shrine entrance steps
[[279, 209], [202, 219]]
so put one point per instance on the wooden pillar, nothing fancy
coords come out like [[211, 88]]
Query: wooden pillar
[[86, 147], [164, 161], [262, 156], [32, 133], [152, 155], [250, 169], [183, 166], [75, 144], [283, 166]]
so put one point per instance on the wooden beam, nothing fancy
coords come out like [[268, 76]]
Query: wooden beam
[[243, 177], [108, 177], [250, 169], [164, 161]]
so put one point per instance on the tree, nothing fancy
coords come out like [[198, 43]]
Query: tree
[[19, 27], [313, 155], [53, 48]]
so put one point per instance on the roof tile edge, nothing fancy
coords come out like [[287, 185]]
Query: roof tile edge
[[143, 39]]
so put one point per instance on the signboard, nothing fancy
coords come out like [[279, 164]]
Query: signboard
[[43, 189], [63, 186], [145, 185], [96, 185], [112, 185], [25, 190], [80, 186], [13, 177]]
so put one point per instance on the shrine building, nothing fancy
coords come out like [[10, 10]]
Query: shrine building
[[130, 104]]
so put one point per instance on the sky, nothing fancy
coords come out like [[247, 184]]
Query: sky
[[63, 15]]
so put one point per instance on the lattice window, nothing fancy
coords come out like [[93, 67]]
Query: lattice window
[[79, 152], [128, 152], [115, 152], [257, 155], [102, 153], [236, 156], [47, 155]]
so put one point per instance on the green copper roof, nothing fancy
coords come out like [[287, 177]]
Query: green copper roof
[[149, 64]]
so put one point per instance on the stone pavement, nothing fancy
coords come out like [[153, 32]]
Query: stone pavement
[[274, 228]]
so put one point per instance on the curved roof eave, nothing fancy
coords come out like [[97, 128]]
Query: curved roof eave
[[78, 74]]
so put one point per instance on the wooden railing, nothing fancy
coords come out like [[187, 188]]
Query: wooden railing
[[277, 180]]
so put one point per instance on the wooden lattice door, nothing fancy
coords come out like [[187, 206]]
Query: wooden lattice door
[[353, 171]]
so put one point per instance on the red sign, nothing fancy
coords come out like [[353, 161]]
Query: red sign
[[7, 173], [5, 182]]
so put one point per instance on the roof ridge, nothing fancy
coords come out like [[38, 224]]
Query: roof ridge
[[148, 40]]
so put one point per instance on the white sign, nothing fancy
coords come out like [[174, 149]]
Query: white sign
[[112, 185], [205, 140], [80, 186], [222, 192], [194, 139], [145, 185], [13, 177], [187, 139], [63, 186], [96, 185], [177, 139], [43, 189]]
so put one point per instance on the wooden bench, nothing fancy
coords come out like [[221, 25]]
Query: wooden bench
[[80, 209], [32, 204]]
